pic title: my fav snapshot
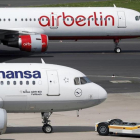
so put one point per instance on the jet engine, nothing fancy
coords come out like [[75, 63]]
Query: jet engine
[[3, 120], [31, 43]]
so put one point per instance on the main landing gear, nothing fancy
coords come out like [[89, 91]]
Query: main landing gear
[[117, 49], [46, 128]]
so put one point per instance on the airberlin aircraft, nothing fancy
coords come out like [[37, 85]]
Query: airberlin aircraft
[[45, 88], [30, 29]]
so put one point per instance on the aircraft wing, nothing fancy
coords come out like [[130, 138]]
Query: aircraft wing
[[13, 34], [8, 35]]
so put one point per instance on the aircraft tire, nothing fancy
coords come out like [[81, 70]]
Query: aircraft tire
[[47, 128], [117, 50]]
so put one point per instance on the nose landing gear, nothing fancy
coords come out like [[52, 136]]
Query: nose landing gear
[[117, 49], [46, 128]]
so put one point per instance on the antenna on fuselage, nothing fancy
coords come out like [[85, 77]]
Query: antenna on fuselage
[[42, 61], [114, 5]]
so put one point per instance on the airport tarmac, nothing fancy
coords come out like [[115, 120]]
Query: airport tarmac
[[67, 126], [17, 3], [97, 60]]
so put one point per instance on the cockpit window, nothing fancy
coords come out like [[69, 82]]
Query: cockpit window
[[77, 81], [81, 80], [84, 80]]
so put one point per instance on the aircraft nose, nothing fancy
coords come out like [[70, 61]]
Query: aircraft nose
[[102, 94]]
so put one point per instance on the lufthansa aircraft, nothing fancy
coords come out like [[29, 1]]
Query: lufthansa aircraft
[[30, 29], [44, 88]]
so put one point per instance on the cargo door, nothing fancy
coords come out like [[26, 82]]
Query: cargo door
[[15, 102]]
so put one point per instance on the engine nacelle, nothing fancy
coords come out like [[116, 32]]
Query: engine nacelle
[[3, 120], [31, 43]]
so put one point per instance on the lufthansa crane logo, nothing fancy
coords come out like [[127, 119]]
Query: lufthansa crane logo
[[78, 92]]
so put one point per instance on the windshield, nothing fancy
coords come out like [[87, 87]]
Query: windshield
[[81, 80]]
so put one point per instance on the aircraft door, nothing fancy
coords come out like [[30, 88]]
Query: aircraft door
[[121, 20], [53, 82]]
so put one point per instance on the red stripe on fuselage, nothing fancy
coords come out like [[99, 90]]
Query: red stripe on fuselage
[[89, 37]]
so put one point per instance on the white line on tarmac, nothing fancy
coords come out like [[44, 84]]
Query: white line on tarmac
[[103, 76]]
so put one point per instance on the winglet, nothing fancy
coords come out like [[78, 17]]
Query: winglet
[[114, 5], [43, 62]]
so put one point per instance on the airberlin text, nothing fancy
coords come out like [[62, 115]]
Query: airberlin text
[[20, 74], [80, 20]]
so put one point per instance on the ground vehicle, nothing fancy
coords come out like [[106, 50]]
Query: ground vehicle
[[117, 126]]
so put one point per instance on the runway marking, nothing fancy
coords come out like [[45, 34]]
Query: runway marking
[[120, 81], [103, 76]]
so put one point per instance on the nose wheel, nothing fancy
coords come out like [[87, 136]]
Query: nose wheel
[[46, 128], [117, 49]]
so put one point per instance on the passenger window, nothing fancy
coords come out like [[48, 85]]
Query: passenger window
[[4, 19], [15, 19], [30, 19], [137, 18], [8, 82], [22, 19], [92, 19], [27, 82], [2, 83], [67, 19], [26, 19], [33, 82], [77, 81], [21, 83], [42, 19], [9, 19], [34, 19], [14, 82]]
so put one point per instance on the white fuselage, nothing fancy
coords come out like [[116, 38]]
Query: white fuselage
[[72, 23], [45, 88]]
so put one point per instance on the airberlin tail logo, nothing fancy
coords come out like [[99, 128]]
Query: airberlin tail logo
[[80, 20]]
